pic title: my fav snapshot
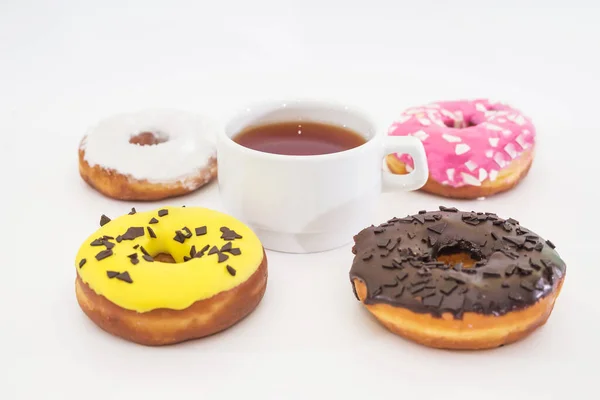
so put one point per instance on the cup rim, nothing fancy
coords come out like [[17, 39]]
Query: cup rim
[[278, 104]]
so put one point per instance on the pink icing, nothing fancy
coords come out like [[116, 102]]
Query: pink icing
[[466, 142]]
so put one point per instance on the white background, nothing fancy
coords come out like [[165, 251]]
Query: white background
[[66, 64]]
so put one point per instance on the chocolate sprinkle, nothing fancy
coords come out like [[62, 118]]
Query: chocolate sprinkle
[[229, 234], [515, 296], [400, 276], [549, 243], [179, 237], [132, 212], [148, 258], [226, 246], [503, 264], [516, 240], [151, 232], [527, 286], [222, 257], [419, 219], [82, 262], [200, 231], [433, 300], [112, 274], [143, 250], [231, 270], [539, 246], [133, 233], [201, 252], [97, 242], [104, 220], [382, 242], [103, 254], [124, 276], [399, 292], [186, 232], [491, 274], [153, 221], [439, 228], [448, 209], [235, 252], [163, 212], [448, 287], [213, 250]]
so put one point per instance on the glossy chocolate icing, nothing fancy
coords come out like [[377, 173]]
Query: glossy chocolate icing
[[513, 269]]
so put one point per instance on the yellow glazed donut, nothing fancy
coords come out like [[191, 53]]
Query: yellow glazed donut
[[170, 275]]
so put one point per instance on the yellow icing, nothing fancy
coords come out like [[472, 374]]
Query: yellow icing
[[167, 285]]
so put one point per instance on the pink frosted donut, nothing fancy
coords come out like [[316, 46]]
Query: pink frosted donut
[[474, 148]]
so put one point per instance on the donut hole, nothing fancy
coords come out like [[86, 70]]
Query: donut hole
[[164, 258], [457, 124], [148, 139], [457, 255], [458, 258]]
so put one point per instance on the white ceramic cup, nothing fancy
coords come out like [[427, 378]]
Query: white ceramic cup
[[305, 204]]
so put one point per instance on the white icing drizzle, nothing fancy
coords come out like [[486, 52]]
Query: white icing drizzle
[[189, 147]]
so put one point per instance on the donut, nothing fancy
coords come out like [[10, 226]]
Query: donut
[[148, 155], [474, 148], [456, 280], [170, 275]]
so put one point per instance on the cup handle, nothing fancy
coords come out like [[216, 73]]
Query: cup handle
[[418, 176]]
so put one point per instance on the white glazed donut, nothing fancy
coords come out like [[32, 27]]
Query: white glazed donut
[[148, 155]]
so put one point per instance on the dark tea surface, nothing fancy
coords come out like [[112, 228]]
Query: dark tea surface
[[299, 139]]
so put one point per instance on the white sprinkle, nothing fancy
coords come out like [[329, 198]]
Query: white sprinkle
[[493, 175], [447, 113], [450, 138], [489, 153], [521, 141], [526, 132], [493, 127], [499, 160], [421, 135], [424, 121], [470, 179], [480, 107], [520, 120], [494, 141], [482, 174], [471, 165], [511, 150], [502, 120], [402, 119], [392, 128], [450, 173], [507, 132], [408, 168], [461, 148]]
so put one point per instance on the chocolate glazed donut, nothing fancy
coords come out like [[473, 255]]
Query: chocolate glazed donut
[[459, 280]]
